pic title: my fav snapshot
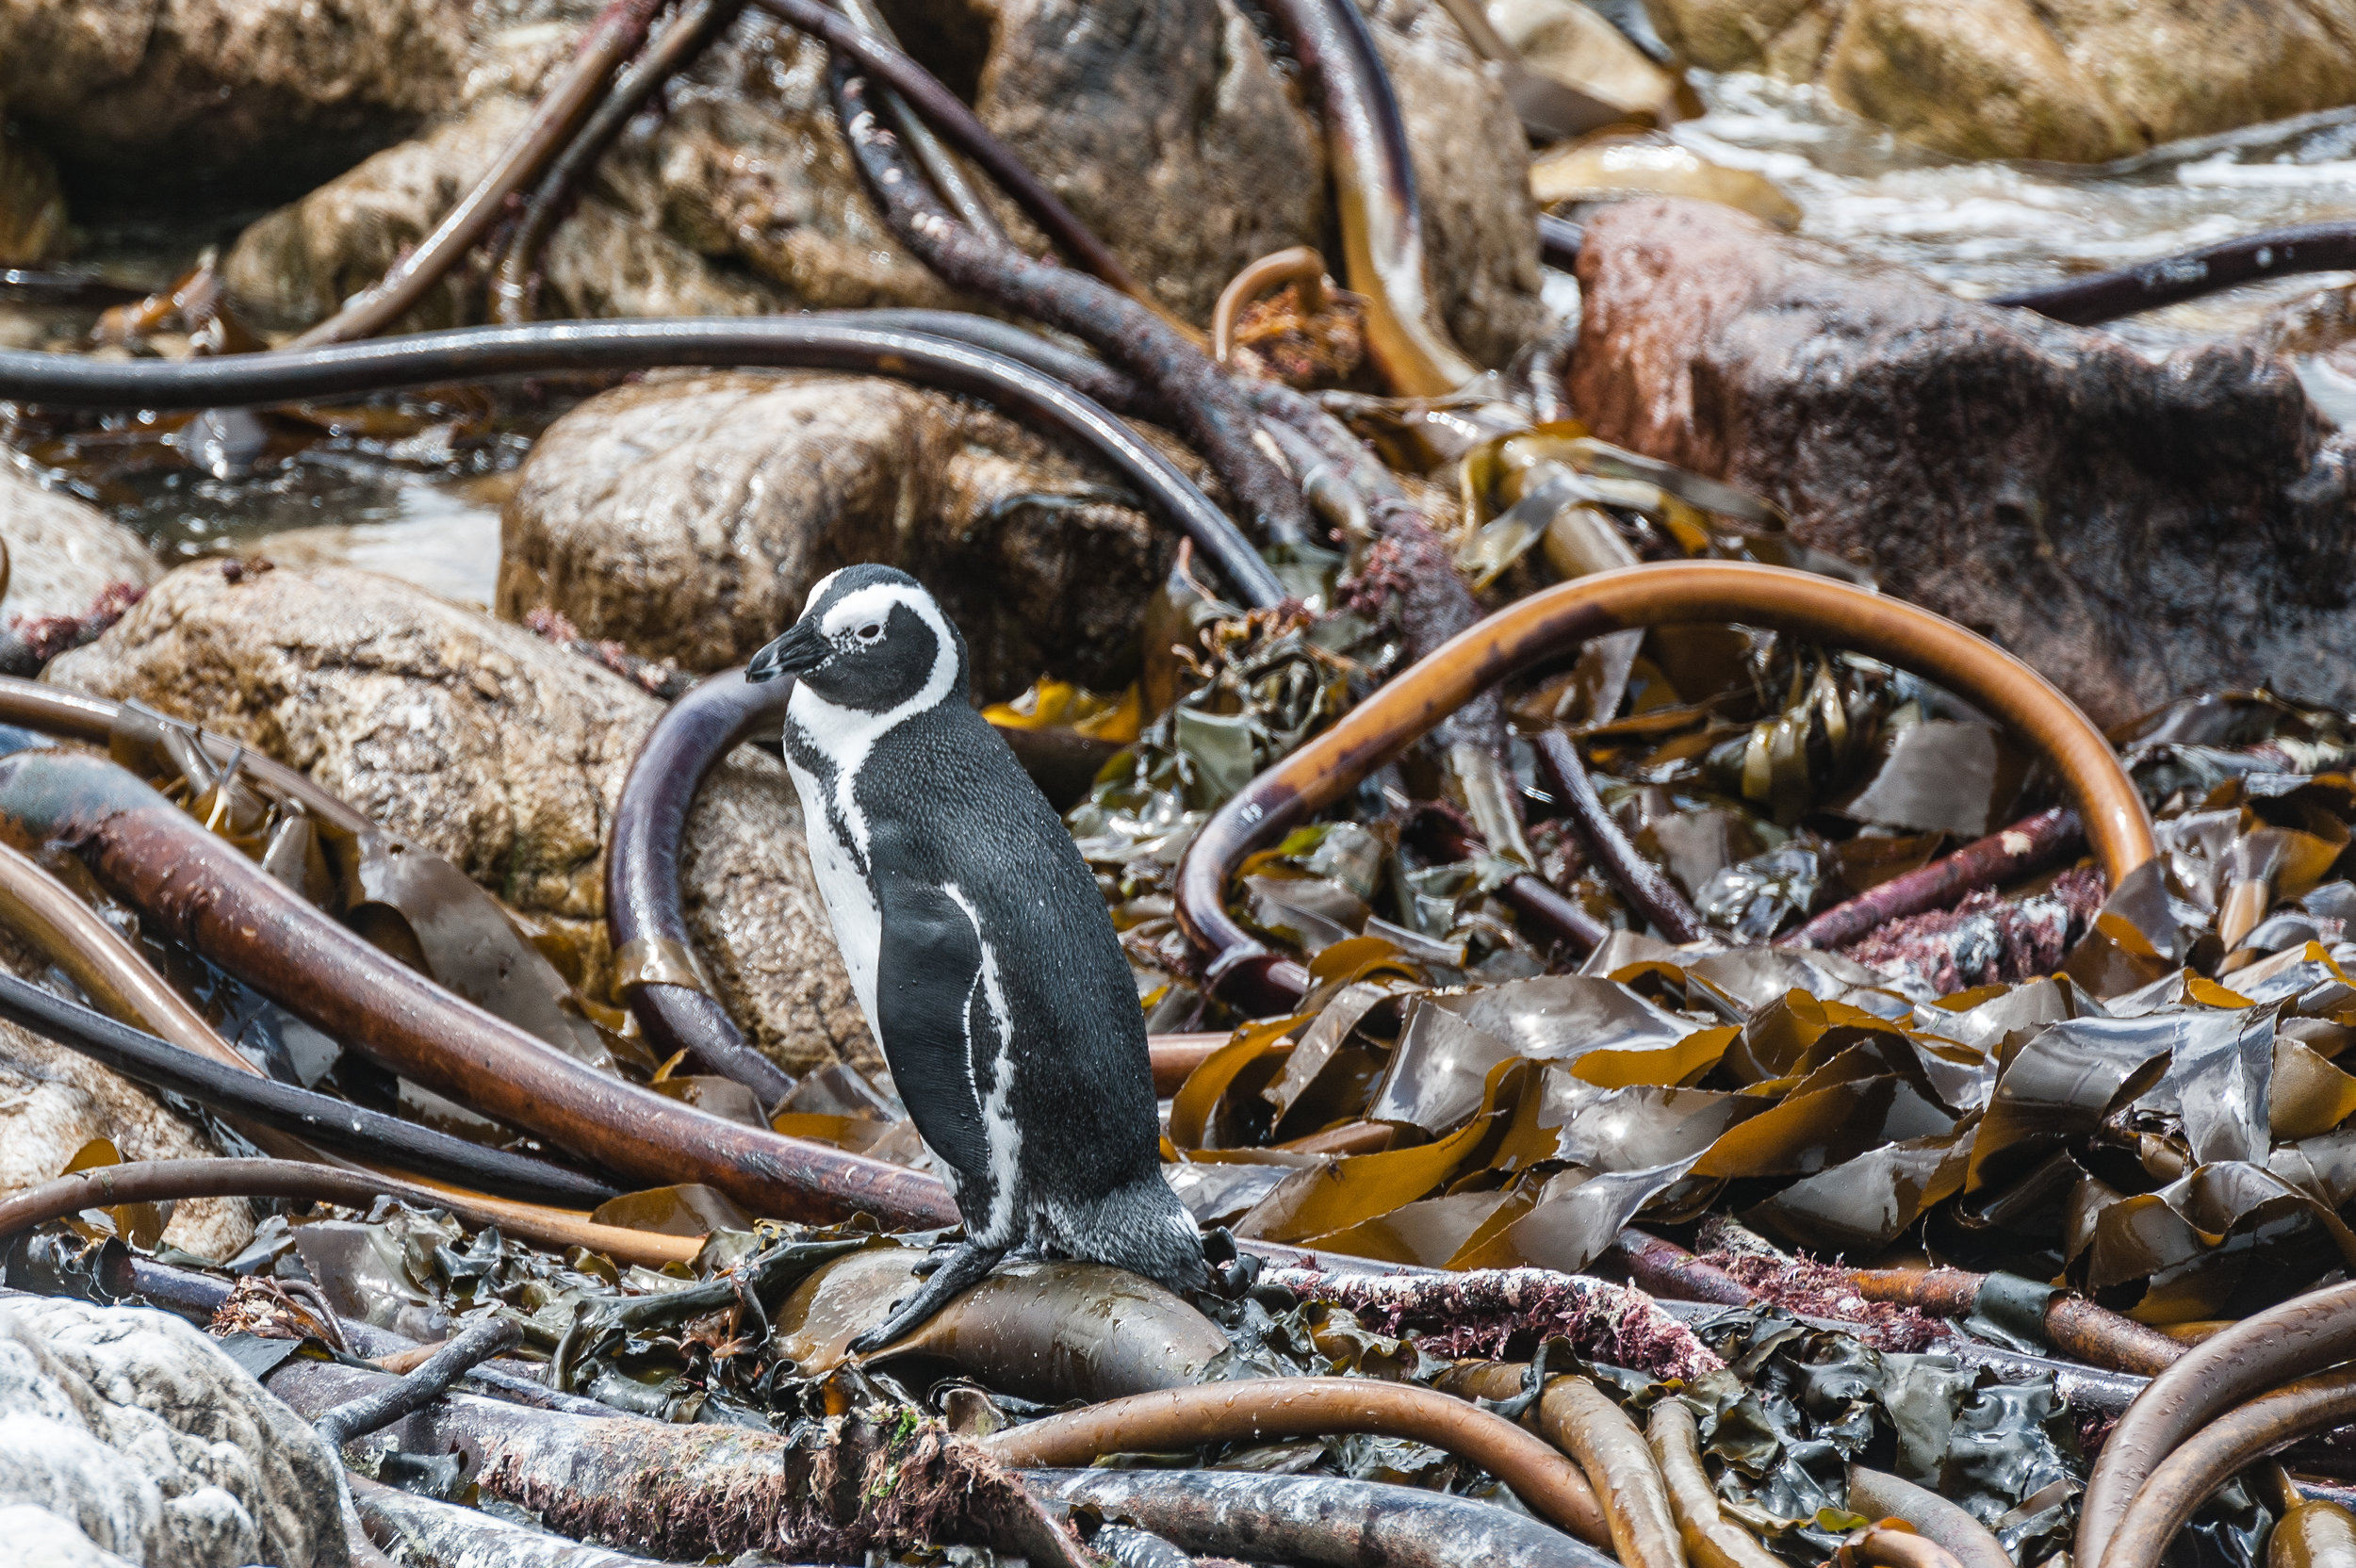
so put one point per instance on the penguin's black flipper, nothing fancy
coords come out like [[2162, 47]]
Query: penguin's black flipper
[[925, 982], [963, 1269]]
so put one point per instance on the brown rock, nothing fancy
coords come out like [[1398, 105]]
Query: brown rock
[[116, 84], [500, 752], [2134, 530], [32, 208], [62, 553], [688, 518], [2074, 80]]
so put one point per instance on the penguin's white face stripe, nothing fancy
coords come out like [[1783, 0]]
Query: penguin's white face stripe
[[999, 1131], [845, 735]]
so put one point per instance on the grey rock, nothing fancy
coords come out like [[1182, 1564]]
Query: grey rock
[[500, 752], [62, 553]]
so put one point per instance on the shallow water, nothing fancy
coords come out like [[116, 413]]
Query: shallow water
[[1984, 228]]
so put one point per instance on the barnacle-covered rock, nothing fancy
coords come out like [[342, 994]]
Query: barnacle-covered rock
[[497, 751], [127, 1437], [688, 518]]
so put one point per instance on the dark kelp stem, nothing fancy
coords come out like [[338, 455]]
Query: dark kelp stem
[[201, 890], [320, 1119], [1206, 405], [2300, 1336], [381, 1407], [2071, 1324], [1664, 1268], [2027, 847], [809, 342], [1320, 1519], [1645, 885], [429, 1533], [2188, 274], [1242, 968], [1948, 1525], [164, 1181], [613, 39], [670, 51], [1374, 189], [1266, 1408], [653, 953]]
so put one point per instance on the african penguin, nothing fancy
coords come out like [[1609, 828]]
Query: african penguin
[[978, 944]]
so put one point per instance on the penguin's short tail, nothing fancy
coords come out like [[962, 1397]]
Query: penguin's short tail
[[1141, 1227]]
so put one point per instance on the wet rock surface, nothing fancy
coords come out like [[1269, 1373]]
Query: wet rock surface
[[2134, 530], [62, 553], [498, 751], [207, 83], [1164, 123], [2073, 80], [689, 517], [128, 1437]]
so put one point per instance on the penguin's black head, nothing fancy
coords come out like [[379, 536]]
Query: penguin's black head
[[870, 638]]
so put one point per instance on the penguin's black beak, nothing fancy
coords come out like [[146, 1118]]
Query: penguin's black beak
[[798, 652]]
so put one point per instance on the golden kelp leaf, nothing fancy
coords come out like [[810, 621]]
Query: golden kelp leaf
[[141, 1224], [2060, 1084], [1324, 1038], [1647, 1126], [1578, 1215], [2308, 1096], [689, 1209], [1425, 1234], [1681, 1063], [1809, 1131], [2221, 1238], [1867, 1202], [1198, 1096], [96, 1152]]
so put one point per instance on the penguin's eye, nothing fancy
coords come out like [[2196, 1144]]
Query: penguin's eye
[[869, 632]]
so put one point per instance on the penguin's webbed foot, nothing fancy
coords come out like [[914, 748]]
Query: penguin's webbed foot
[[960, 1271]]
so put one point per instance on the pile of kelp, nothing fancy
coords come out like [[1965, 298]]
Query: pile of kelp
[[1690, 1059]]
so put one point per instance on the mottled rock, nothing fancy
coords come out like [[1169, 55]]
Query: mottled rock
[[500, 752], [2134, 530], [1162, 122], [688, 516], [62, 553], [2071, 80], [128, 1437], [297, 84]]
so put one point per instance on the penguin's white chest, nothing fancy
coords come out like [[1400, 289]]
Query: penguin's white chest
[[849, 897]]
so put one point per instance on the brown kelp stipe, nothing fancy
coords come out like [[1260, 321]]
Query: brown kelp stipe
[[1645, 885], [320, 1120], [199, 889], [1260, 1410], [1300, 264], [804, 342], [2069, 1322], [1712, 1540], [654, 956], [2210, 1457], [164, 1181], [420, 1386], [1583, 1423], [613, 39], [1374, 187], [430, 1533], [691, 29], [1247, 972], [2188, 274], [1664, 1268], [1949, 1526], [2299, 1338], [1324, 1520], [2007, 855], [1892, 1543], [1203, 401]]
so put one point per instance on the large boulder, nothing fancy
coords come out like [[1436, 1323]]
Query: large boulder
[[688, 518], [116, 85], [2135, 530], [2073, 80], [127, 1437], [63, 555], [1163, 124], [498, 751]]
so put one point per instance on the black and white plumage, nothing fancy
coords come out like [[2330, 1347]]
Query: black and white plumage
[[978, 945]]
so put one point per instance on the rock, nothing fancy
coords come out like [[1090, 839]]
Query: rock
[[62, 554], [1162, 122], [2071, 80], [2133, 530], [32, 208], [1571, 42], [127, 1437], [266, 89], [500, 752], [53, 1102], [688, 518]]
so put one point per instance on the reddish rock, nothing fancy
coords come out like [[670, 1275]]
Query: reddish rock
[[2135, 529]]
